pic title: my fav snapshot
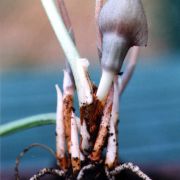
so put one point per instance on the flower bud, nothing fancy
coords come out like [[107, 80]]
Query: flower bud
[[123, 24]]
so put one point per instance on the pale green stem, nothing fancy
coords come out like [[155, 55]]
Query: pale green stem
[[27, 123], [69, 48], [60, 30]]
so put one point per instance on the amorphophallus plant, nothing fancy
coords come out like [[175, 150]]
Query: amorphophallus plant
[[120, 25]]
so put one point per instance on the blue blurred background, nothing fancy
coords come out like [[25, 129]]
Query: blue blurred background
[[32, 62]]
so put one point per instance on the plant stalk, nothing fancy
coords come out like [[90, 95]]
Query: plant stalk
[[27, 123]]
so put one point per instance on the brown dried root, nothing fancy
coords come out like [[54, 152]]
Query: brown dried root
[[17, 176], [60, 132], [87, 104], [103, 130], [91, 114], [45, 171], [67, 111], [131, 167]]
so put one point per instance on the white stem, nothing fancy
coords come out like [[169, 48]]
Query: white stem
[[120, 81], [75, 152], [51, 8], [84, 88], [111, 147], [60, 138], [85, 144], [114, 119], [82, 157], [78, 123], [105, 84], [68, 85]]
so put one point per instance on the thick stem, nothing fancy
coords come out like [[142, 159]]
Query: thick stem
[[105, 84], [84, 87], [114, 50], [68, 84]]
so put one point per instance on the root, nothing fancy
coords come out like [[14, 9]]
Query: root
[[109, 174], [17, 176], [85, 169], [97, 168], [131, 167], [45, 171]]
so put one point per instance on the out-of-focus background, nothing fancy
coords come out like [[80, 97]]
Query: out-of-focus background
[[31, 62]]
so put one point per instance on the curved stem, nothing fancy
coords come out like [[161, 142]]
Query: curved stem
[[129, 70], [27, 123]]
